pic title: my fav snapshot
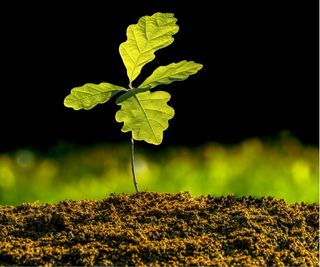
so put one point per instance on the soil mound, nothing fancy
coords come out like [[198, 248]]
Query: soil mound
[[161, 229]]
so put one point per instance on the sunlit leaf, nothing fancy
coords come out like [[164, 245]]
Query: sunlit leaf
[[144, 39], [146, 114], [89, 95], [170, 73]]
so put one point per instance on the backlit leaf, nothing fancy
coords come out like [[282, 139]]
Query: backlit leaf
[[146, 114], [89, 95], [144, 39], [170, 73]]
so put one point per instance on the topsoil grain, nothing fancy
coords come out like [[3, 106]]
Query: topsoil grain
[[161, 229]]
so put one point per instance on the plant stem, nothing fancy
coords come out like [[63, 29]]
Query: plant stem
[[132, 166], [132, 157]]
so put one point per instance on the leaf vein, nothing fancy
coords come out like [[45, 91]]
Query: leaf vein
[[144, 113]]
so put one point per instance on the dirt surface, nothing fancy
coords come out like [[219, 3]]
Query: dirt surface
[[159, 229]]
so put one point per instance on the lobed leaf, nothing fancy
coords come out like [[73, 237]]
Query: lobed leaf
[[144, 39], [89, 95], [170, 73], [146, 115]]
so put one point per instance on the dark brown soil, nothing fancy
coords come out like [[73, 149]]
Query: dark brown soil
[[158, 229]]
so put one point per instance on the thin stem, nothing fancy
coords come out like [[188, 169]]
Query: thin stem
[[132, 166], [132, 158]]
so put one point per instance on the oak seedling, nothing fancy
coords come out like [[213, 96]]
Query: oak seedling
[[144, 113]]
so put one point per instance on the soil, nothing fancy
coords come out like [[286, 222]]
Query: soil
[[161, 229]]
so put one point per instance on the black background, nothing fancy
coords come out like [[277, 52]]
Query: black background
[[260, 74]]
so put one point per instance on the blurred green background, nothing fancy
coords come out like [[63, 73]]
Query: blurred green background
[[281, 167]]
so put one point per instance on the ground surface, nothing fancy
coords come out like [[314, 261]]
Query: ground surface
[[158, 229]]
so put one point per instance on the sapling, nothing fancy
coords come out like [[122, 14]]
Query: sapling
[[144, 113]]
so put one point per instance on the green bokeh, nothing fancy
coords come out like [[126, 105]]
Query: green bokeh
[[282, 168]]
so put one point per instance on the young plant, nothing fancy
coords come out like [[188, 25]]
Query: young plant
[[144, 113]]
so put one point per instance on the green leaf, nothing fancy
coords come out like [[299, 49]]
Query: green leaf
[[170, 73], [144, 39], [146, 114], [89, 95]]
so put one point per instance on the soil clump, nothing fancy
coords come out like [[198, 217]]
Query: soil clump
[[161, 229]]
